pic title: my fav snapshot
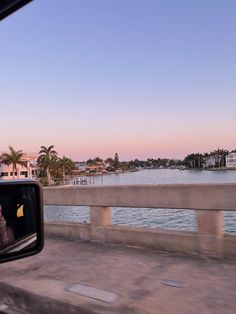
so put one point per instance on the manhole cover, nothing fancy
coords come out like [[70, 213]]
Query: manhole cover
[[172, 283]]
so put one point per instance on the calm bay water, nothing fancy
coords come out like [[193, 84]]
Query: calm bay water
[[149, 217]]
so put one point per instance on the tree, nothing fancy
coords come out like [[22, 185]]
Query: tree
[[89, 162], [110, 161], [47, 156], [219, 155], [66, 166], [116, 161], [193, 160], [98, 160], [55, 170], [14, 158]]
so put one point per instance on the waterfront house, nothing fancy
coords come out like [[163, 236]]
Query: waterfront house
[[81, 166], [210, 162], [98, 167], [231, 160], [30, 171]]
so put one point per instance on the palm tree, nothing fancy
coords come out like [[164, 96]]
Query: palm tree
[[46, 157], [189, 161], [223, 153], [66, 165], [219, 155], [14, 158]]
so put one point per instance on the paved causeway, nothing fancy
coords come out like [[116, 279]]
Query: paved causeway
[[74, 277]]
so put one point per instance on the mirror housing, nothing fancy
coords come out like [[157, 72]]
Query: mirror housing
[[21, 219], [8, 7]]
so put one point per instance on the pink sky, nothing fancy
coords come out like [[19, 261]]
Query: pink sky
[[93, 86]]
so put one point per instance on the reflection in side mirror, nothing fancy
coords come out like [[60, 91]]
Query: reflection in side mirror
[[21, 219]]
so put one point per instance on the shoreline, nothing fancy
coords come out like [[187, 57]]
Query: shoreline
[[212, 169]]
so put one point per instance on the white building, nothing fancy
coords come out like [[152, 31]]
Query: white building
[[210, 161], [30, 171], [81, 166], [231, 160]]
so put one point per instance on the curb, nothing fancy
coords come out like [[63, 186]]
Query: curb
[[20, 300]]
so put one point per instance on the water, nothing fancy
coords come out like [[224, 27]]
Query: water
[[149, 217], [165, 176]]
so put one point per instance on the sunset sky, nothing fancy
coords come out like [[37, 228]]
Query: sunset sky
[[144, 78]]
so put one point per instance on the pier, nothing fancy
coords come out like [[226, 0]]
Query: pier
[[78, 180], [98, 267]]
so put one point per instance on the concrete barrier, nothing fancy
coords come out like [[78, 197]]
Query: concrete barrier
[[208, 201]]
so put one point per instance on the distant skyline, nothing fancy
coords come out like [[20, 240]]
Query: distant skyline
[[144, 78]]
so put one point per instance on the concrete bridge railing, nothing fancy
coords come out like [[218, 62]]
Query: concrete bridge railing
[[207, 200]]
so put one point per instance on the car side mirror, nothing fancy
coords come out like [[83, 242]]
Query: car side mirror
[[21, 219], [8, 7]]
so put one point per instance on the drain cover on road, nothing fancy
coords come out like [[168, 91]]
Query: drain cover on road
[[172, 283], [94, 293]]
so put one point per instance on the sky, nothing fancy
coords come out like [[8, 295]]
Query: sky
[[143, 78]]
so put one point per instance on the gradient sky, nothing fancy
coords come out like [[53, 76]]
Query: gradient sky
[[144, 78]]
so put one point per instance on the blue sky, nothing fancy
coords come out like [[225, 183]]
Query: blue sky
[[143, 78]]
